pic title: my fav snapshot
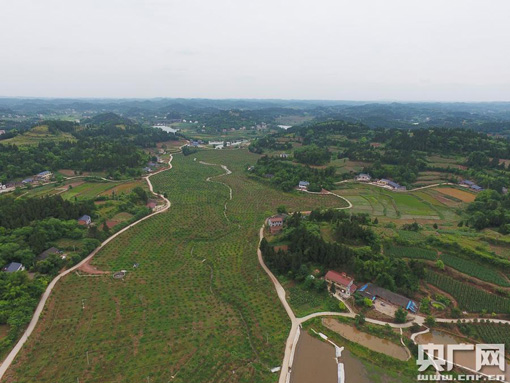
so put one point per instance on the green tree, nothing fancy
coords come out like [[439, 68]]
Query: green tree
[[430, 321], [400, 315]]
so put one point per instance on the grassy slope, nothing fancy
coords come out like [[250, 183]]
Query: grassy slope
[[176, 314], [37, 135]]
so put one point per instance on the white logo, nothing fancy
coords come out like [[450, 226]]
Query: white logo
[[485, 355]]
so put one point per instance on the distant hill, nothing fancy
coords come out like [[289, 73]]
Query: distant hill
[[109, 119]]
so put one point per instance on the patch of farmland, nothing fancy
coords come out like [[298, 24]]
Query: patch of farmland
[[462, 195], [198, 306], [469, 297], [88, 190], [125, 187], [410, 252], [475, 269], [410, 205]]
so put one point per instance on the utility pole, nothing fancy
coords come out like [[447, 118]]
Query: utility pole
[[88, 362]]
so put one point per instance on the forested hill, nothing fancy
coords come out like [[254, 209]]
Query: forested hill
[[106, 146], [432, 140]]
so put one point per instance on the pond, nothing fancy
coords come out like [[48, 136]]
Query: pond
[[462, 358], [315, 361], [369, 341]]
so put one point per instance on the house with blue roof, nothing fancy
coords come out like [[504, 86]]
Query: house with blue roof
[[14, 267], [391, 184], [303, 185], [85, 220], [374, 292], [44, 176]]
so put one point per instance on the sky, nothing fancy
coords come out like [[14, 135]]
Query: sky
[[402, 50]]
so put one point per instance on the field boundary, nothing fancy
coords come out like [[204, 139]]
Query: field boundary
[[6, 363]]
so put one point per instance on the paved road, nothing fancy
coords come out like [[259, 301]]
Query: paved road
[[296, 322], [10, 358]]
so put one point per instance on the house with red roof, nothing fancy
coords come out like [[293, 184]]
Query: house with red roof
[[342, 282]]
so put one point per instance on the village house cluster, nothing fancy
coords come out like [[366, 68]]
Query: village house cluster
[[40, 178], [471, 185], [383, 182], [383, 299]]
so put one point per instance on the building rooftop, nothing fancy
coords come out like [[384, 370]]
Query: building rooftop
[[371, 291], [13, 267], [340, 278], [46, 253]]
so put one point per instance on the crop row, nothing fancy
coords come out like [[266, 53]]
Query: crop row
[[474, 269], [469, 297], [411, 252]]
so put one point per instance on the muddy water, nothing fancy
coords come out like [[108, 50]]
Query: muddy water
[[463, 358], [314, 362], [369, 341]]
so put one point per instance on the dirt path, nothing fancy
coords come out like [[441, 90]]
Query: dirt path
[[209, 179], [349, 204], [89, 269], [35, 318]]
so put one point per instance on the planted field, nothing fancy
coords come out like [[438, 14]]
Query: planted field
[[37, 135], [305, 302], [464, 196], [474, 269], [198, 308], [411, 252], [381, 202], [125, 187], [88, 190], [469, 298], [494, 333]]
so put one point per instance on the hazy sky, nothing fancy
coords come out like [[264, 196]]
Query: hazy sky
[[320, 49]]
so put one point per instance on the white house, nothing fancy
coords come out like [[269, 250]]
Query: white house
[[303, 185], [363, 177]]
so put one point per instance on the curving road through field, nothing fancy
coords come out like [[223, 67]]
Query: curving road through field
[[35, 318]]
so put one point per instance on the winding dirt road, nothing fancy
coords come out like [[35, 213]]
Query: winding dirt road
[[14, 352]]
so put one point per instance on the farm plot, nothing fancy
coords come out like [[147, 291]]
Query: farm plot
[[198, 308], [88, 190], [411, 252], [464, 196], [474, 269], [494, 333], [469, 298], [411, 206], [125, 187]]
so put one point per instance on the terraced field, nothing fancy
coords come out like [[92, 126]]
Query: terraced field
[[198, 308], [380, 202]]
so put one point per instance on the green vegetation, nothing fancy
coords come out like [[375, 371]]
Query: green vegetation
[[106, 146], [410, 252], [490, 209], [474, 269], [285, 176], [494, 333], [469, 297], [198, 286]]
